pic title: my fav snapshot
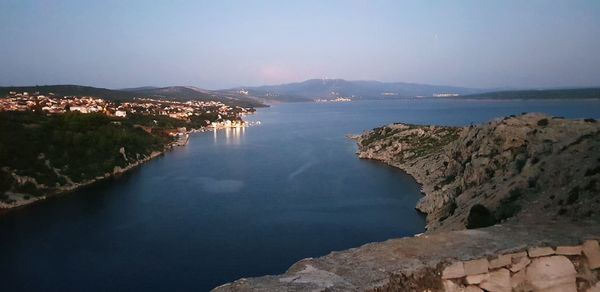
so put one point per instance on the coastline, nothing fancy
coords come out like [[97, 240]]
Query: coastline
[[180, 141], [117, 171]]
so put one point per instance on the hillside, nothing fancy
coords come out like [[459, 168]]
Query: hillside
[[183, 93], [47, 154], [180, 93], [528, 167], [73, 90], [330, 88], [568, 93]]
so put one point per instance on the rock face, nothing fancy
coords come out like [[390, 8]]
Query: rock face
[[442, 261], [528, 167]]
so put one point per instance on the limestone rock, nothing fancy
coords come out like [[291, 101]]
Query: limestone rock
[[518, 280], [569, 250], [555, 272], [500, 262], [535, 252], [473, 288], [591, 250], [517, 255], [450, 286], [498, 281], [475, 279], [519, 264], [453, 271], [514, 167], [475, 267]]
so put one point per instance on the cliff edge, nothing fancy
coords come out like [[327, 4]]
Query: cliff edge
[[530, 167]]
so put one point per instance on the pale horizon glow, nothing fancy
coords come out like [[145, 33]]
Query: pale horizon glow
[[223, 44]]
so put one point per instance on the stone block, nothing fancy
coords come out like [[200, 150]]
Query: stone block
[[475, 267], [569, 250], [473, 288], [591, 250], [498, 281], [500, 262], [535, 252], [517, 255], [450, 286], [554, 273], [519, 264], [475, 279], [453, 271], [518, 280]]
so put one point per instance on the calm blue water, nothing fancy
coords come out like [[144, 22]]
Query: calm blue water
[[235, 203]]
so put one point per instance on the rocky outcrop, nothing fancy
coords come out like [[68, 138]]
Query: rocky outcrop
[[527, 167], [493, 258], [565, 269]]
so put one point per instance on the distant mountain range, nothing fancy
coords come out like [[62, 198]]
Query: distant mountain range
[[331, 88], [307, 91]]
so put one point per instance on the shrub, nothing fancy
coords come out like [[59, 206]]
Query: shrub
[[449, 179], [592, 171], [542, 122], [520, 163], [573, 196]]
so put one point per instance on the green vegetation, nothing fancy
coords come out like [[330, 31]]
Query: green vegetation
[[79, 146]]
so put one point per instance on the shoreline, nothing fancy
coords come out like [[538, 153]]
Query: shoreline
[[181, 141], [117, 172]]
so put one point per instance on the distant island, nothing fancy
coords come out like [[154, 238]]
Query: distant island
[[52, 143]]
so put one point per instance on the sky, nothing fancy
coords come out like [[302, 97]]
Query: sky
[[222, 44]]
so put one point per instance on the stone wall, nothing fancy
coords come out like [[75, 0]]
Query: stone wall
[[560, 269]]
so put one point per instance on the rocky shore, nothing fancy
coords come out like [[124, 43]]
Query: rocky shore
[[530, 167], [528, 183]]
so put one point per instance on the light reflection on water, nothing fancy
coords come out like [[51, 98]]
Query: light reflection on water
[[233, 136]]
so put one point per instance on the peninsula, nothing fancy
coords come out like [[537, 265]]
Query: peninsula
[[53, 143]]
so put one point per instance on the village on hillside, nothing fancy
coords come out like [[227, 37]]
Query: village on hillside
[[222, 115]]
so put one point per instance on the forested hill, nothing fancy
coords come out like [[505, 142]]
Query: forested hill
[[179, 93], [73, 90], [574, 93]]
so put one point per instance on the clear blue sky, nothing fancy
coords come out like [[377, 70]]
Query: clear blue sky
[[218, 44]]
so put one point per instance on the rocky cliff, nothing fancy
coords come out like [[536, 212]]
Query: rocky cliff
[[428, 263], [530, 167]]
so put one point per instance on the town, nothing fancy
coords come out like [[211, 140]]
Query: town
[[216, 114]]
